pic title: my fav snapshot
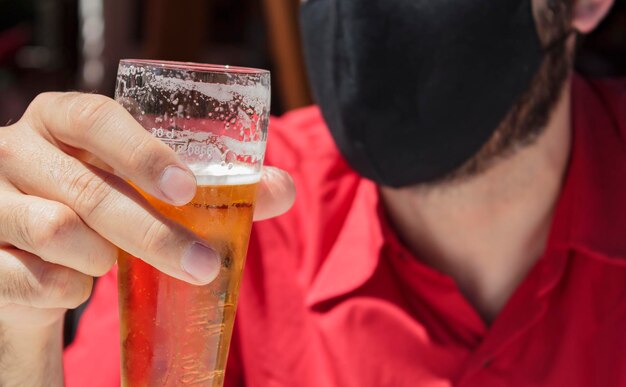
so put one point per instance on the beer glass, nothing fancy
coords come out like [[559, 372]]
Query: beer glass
[[215, 118]]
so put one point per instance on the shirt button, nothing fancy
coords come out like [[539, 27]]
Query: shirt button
[[487, 362]]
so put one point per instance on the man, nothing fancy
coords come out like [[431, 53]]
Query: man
[[477, 254]]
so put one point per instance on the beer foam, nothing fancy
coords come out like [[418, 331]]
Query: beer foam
[[230, 174]]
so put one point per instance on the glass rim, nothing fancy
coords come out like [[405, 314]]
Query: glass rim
[[203, 67]]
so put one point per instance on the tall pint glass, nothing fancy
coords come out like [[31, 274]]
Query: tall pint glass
[[215, 118]]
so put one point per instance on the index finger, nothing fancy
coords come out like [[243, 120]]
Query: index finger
[[102, 127]]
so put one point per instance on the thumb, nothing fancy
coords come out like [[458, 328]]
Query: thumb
[[276, 194]]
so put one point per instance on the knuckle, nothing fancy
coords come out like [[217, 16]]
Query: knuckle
[[157, 237], [84, 110], [90, 192], [52, 284], [101, 262], [7, 143], [39, 107], [144, 156], [40, 101], [51, 227], [19, 217], [61, 288], [41, 284]]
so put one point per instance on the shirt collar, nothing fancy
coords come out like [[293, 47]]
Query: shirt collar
[[356, 251], [591, 213]]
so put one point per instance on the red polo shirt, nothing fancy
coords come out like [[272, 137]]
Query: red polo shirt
[[331, 298]]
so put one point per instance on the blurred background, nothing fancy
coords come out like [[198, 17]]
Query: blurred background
[[76, 44]]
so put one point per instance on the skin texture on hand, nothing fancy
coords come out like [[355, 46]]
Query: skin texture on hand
[[63, 213], [31, 357]]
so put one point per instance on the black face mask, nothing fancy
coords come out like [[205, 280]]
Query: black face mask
[[411, 89]]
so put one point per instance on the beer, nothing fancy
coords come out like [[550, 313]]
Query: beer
[[174, 333]]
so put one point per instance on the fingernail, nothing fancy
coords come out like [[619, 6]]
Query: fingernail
[[201, 262], [178, 185]]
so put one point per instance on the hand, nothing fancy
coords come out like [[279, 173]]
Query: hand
[[61, 216]]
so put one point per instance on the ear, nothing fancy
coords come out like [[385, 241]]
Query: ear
[[587, 14]]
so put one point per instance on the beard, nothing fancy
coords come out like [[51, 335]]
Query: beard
[[528, 118]]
